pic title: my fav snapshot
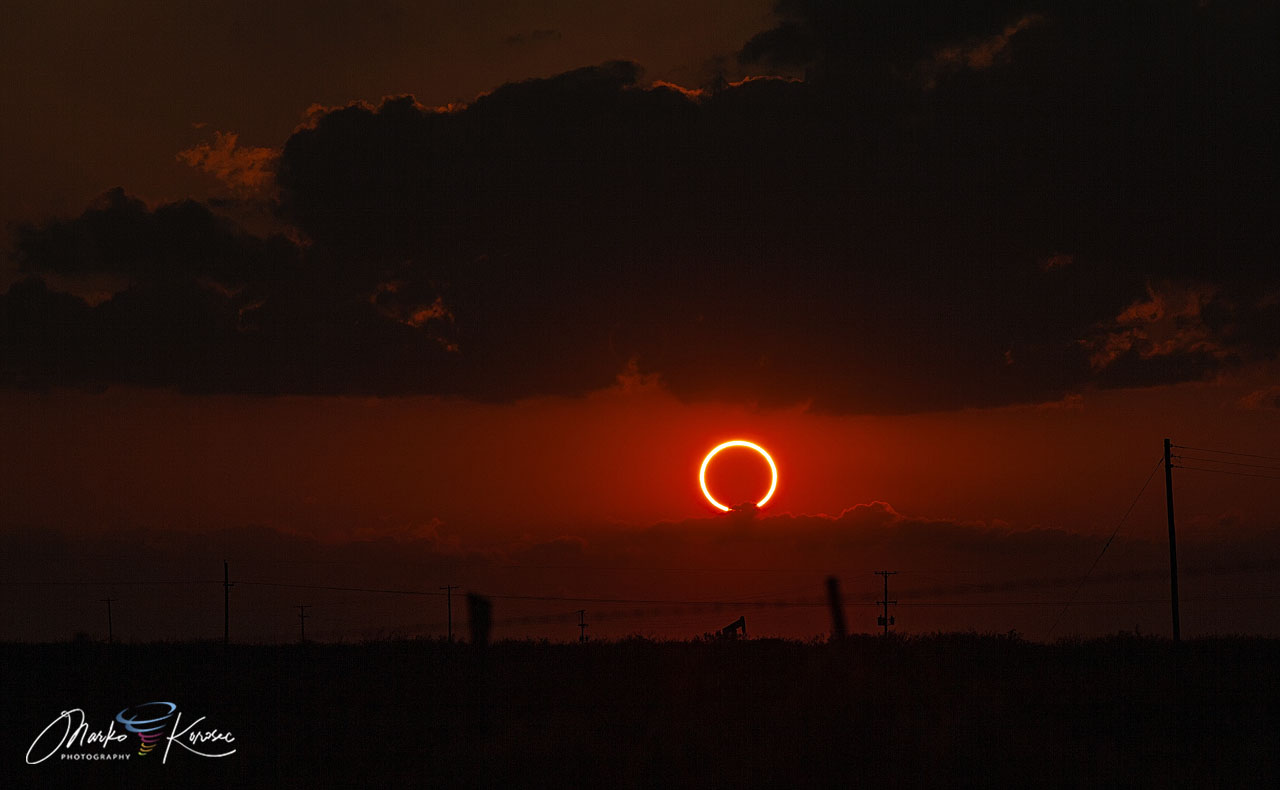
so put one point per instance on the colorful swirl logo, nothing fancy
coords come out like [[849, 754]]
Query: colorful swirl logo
[[144, 721]]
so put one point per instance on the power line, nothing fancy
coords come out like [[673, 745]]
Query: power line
[[1106, 545], [110, 583], [1227, 452], [1168, 487], [1228, 463], [1116, 602], [1227, 472], [689, 569], [1003, 584], [342, 589], [685, 606], [657, 601], [683, 609], [745, 600], [649, 614], [815, 571]]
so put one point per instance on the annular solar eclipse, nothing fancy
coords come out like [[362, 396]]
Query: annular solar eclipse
[[702, 473]]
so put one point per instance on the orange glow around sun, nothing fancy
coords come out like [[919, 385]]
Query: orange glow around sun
[[702, 473]]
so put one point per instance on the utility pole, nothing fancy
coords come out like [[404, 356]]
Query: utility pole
[[302, 621], [226, 603], [837, 609], [110, 631], [884, 619], [582, 626], [1173, 544], [448, 594]]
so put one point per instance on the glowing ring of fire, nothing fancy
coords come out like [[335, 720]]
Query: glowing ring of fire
[[702, 473]]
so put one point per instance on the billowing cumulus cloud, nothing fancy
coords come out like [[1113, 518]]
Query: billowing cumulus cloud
[[950, 209]]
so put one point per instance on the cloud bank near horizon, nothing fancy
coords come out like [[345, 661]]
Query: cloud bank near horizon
[[970, 571]]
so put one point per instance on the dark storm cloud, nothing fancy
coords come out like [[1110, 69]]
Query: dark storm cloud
[[120, 235], [950, 209], [203, 306]]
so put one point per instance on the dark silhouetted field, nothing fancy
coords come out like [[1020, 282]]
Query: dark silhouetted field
[[941, 710]]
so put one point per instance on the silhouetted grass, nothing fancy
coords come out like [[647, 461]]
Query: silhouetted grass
[[955, 709]]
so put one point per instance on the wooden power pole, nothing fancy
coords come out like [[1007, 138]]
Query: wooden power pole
[[110, 630], [885, 619], [448, 595], [302, 621]]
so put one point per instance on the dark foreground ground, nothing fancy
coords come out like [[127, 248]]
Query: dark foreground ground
[[943, 710]]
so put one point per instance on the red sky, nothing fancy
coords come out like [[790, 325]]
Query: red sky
[[337, 467], [570, 491], [960, 278]]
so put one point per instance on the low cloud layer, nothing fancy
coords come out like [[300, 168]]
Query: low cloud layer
[[948, 210], [670, 579]]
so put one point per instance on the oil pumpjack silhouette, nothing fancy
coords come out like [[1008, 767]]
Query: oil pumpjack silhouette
[[735, 630]]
